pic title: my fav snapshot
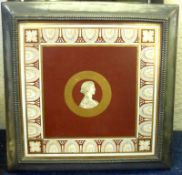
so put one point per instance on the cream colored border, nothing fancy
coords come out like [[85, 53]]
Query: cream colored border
[[22, 26]]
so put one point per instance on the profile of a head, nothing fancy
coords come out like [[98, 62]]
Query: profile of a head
[[88, 88]]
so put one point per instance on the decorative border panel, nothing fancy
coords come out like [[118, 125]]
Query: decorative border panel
[[144, 36]]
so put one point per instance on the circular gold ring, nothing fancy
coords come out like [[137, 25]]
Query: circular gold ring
[[106, 94]]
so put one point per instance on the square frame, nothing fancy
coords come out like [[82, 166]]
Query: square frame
[[15, 13]]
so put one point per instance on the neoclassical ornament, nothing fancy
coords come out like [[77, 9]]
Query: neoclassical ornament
[[94, 108]]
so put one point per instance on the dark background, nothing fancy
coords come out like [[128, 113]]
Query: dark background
[[117, 64]]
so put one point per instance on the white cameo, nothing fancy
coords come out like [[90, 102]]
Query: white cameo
[[88, 90]]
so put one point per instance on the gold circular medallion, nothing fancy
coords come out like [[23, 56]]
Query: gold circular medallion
[[88, 107]]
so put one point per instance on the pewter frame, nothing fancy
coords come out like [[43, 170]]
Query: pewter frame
[[15, 12]]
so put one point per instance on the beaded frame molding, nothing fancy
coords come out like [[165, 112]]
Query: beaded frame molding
[[29, 27]]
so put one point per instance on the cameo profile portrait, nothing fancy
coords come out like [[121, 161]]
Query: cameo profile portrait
[[87, 105], [88, 90]]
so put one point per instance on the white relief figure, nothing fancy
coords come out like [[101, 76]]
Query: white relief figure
[[88, 90]]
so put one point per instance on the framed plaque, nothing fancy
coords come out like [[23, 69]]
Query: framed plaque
[[89, 86]]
